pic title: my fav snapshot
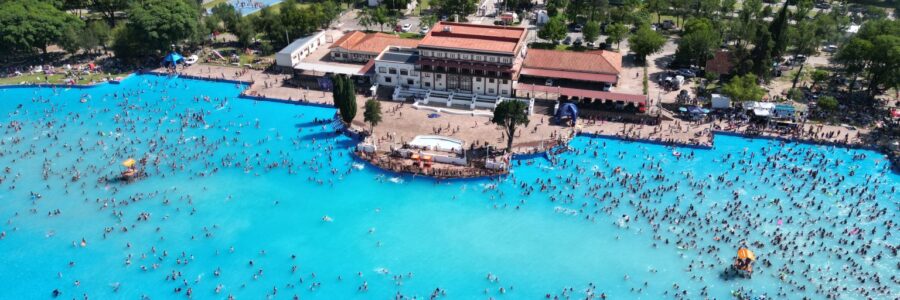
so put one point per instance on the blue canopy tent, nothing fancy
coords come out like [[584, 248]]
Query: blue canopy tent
[[173, 59], [567, 110]]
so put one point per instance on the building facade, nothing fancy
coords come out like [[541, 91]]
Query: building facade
[[470, 58]]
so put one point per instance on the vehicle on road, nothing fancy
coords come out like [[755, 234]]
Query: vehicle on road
[[578, 42], [687, 73]]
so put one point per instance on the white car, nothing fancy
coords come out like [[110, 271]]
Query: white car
[[406, 27]]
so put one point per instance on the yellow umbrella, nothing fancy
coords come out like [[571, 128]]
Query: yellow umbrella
[[746, 253], [128, 162]]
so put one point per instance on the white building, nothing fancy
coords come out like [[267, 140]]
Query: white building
[[293, 54]]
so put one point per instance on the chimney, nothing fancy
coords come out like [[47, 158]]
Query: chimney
[[447, 28]]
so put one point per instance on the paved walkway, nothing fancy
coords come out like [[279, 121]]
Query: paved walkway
[[401, 122]]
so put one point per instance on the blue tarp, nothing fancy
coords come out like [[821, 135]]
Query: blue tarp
[[173, 58], [568, 110]]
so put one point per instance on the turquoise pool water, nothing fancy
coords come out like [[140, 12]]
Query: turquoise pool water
[[238, 190]]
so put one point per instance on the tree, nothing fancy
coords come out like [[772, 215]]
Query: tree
[[69, 40], [827, 103], [779, 30], [645, 42], [96, 34], [428, 20], [554, 30], [616, 33], [109, 8], [155, 25], [818, 76], [26, 25], [380, 16], [744, 88], [366, 18], [244, 32], [698, 43], [874, 52], [344, 96], [591, 31], [805, 42], [508, 115], [372, 115], [761, 55], [228, 15], [460, 8], [657, 6]]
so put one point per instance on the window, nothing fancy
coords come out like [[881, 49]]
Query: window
[[492, 58], [477, 79], [479, 57], [382, 70], [453, 55], [428, 84], [426, 74], [411, 82], [404, 72], [466, 56], [490, 91], [392, 71], [439, 54], [387, 79], [504, 92], [504, 81], [490, 80], [505, 60], [465, 83], [438, 76]]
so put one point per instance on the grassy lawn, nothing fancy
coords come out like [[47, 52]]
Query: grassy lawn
[[423, 5], [277, 7], [561, 47], [410, 35], [55, 78]]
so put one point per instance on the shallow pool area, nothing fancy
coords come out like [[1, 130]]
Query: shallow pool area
[[257, 199]]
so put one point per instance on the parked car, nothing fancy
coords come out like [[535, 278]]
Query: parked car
[[424, 30], [687, 73], [578, 28], [406, 27], [578, 42], [568, 40], [830, 48]]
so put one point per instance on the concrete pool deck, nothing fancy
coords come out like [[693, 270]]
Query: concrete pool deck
[[401, 122]]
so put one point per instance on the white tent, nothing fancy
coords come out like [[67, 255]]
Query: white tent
[[720, 101]]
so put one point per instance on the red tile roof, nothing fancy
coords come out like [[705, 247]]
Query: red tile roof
[[593, 77], [465, 36], [721, 63], [581, 93], [598, 62], [374, 43]]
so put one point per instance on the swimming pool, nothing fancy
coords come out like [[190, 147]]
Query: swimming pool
[[239, 189]]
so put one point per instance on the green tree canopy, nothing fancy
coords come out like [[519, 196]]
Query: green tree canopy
[[591, 31], [26, 25], [155, 25], [461, 8], [344, 96], [509, 115], [645, 41], [616, 33], [699, 42], [554, 30], [744, 88], [372, 115]]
